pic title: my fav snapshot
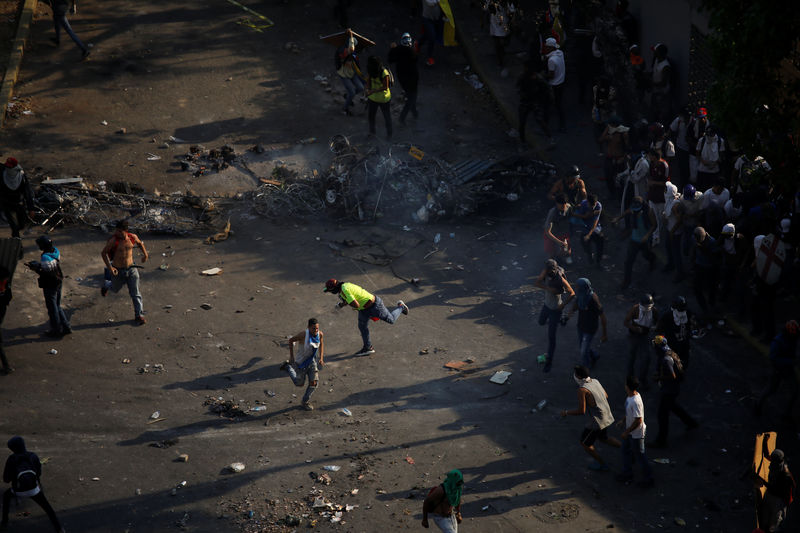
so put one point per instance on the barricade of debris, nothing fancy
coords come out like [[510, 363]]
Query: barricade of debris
[[406, 184]]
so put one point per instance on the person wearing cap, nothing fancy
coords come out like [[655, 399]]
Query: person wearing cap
[[669, 376], [50, 281], [661, 86], [348, 70], [431, 20], [593, 402], [16, 197], [60, 10], [633, 447], [733, 251], [780, 491], [369, 307], [676, 326], [694, 132], [782, 358], [308, 360], [5, 299], [443, 503], [710, 152], [405, 57], [571, 185], [556, 72], [640, 321], [641, 222], [557, 294], [23, 470]]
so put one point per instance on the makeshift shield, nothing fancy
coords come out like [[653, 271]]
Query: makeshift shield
[[770, 258], [340, 39]]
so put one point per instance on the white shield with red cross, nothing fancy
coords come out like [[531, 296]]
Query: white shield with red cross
[[770, 258]]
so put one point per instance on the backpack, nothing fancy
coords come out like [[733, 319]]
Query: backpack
[[25, 474]]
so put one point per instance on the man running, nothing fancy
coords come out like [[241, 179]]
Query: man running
[[120, 269], [308, 361], [593, 401], [369, 307], [444, 503]]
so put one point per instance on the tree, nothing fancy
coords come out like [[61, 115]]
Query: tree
[[756, 93]]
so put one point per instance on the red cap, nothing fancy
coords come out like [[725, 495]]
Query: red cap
[[330, 285], [11, 162], [702, 112]]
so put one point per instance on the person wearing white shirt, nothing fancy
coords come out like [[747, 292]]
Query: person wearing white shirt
[[556, 73], [633, 436]]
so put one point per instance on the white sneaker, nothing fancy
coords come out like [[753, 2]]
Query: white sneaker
[[402, 304]]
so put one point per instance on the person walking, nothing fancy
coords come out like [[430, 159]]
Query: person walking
[[557, 230], [16, 197], [633, 449], [346, 63], [50, 281], [590, 231], [534, 98], [369, 307], [641, 222], [443, 503], [779, 494], [640, 321], [557, 294], [60, 9], [5, 299], [310, 358], [120, 268], [556, 71], [670, 375], [593, 402], [379, 94], [24, 471], [405, 57], [590, 315], [431, 21], [676, 326], [706, 259]]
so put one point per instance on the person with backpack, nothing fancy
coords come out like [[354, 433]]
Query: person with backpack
[[443, 502], [50, 281], [670, 375], [405, 57], [710, 152], [346, 63], [24, 470], [379, 94], [120, 268]]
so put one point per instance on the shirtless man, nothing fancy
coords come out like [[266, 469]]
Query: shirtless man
[[444, 503], [120, 270]]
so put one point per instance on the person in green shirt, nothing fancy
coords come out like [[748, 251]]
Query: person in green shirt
[[378, 93], [369, 307]]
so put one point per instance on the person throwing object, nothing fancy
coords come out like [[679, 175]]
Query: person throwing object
[[308, 360]]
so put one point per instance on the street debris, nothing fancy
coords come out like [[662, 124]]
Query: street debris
[[458, 365], [500, 377], [225, 408], [332, 468], [212, 271], [346, 412], [155, 415], [409, 460], [183, 458], [221, 236], [53, 351], [163, 444], [147, 368], [236, 467]]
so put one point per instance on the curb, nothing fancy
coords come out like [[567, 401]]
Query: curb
[[509, 113], [15, 58]]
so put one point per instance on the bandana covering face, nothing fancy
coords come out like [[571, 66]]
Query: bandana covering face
[[453, 484], [581, 381], [680, 317], [584, 293], [12, 177]]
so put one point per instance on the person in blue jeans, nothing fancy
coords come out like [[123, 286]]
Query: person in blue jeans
[[633, 437], [60, 10], [557, 294], [50, 278], [348, 70], [590, 315], [310, 357]]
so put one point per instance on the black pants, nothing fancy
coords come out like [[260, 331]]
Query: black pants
[[558, 103], [40, 499], [705, 284], [599, 244], [410, 105], [16, 216], [386, 110], [539, 116], [634, 247], [763, 309], [668, 403]]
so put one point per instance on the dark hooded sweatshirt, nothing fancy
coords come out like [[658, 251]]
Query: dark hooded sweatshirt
[[19, 461]]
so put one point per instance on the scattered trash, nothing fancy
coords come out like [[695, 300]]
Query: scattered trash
[[409, 460], [728, 391], [152, 157], [485, 508], [332, 468], [236, 467], [221, 236], [308, 140], [224, 408], [354, 492], [126, 361], [122, 131], [163, 266], [346, 412], [156, 415], [95, 479], [437, 238], [212, 271], [474, 81], [259, 408], [541, 359], [416, 153], [508, 304], [104, 123], [164, 444], [183, 458], [53, 351], [500, 377], [512, 197], [680, 521], [458, 365], [541, 405], [207, 307], [662, 461], [270, 393], [423, 351]]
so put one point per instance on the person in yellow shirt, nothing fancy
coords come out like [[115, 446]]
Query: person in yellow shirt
[[378, 93], [369, 307]]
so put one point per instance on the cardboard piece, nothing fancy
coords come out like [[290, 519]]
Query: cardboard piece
[[500, 377]]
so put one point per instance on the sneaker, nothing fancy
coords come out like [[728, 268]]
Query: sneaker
[[103, 291], [366, 350], [598, 467], [547, 366], [66, 331], [6, 371], [85, 54], [307, 406], [402, 304], [140, 320], [284, 366]]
